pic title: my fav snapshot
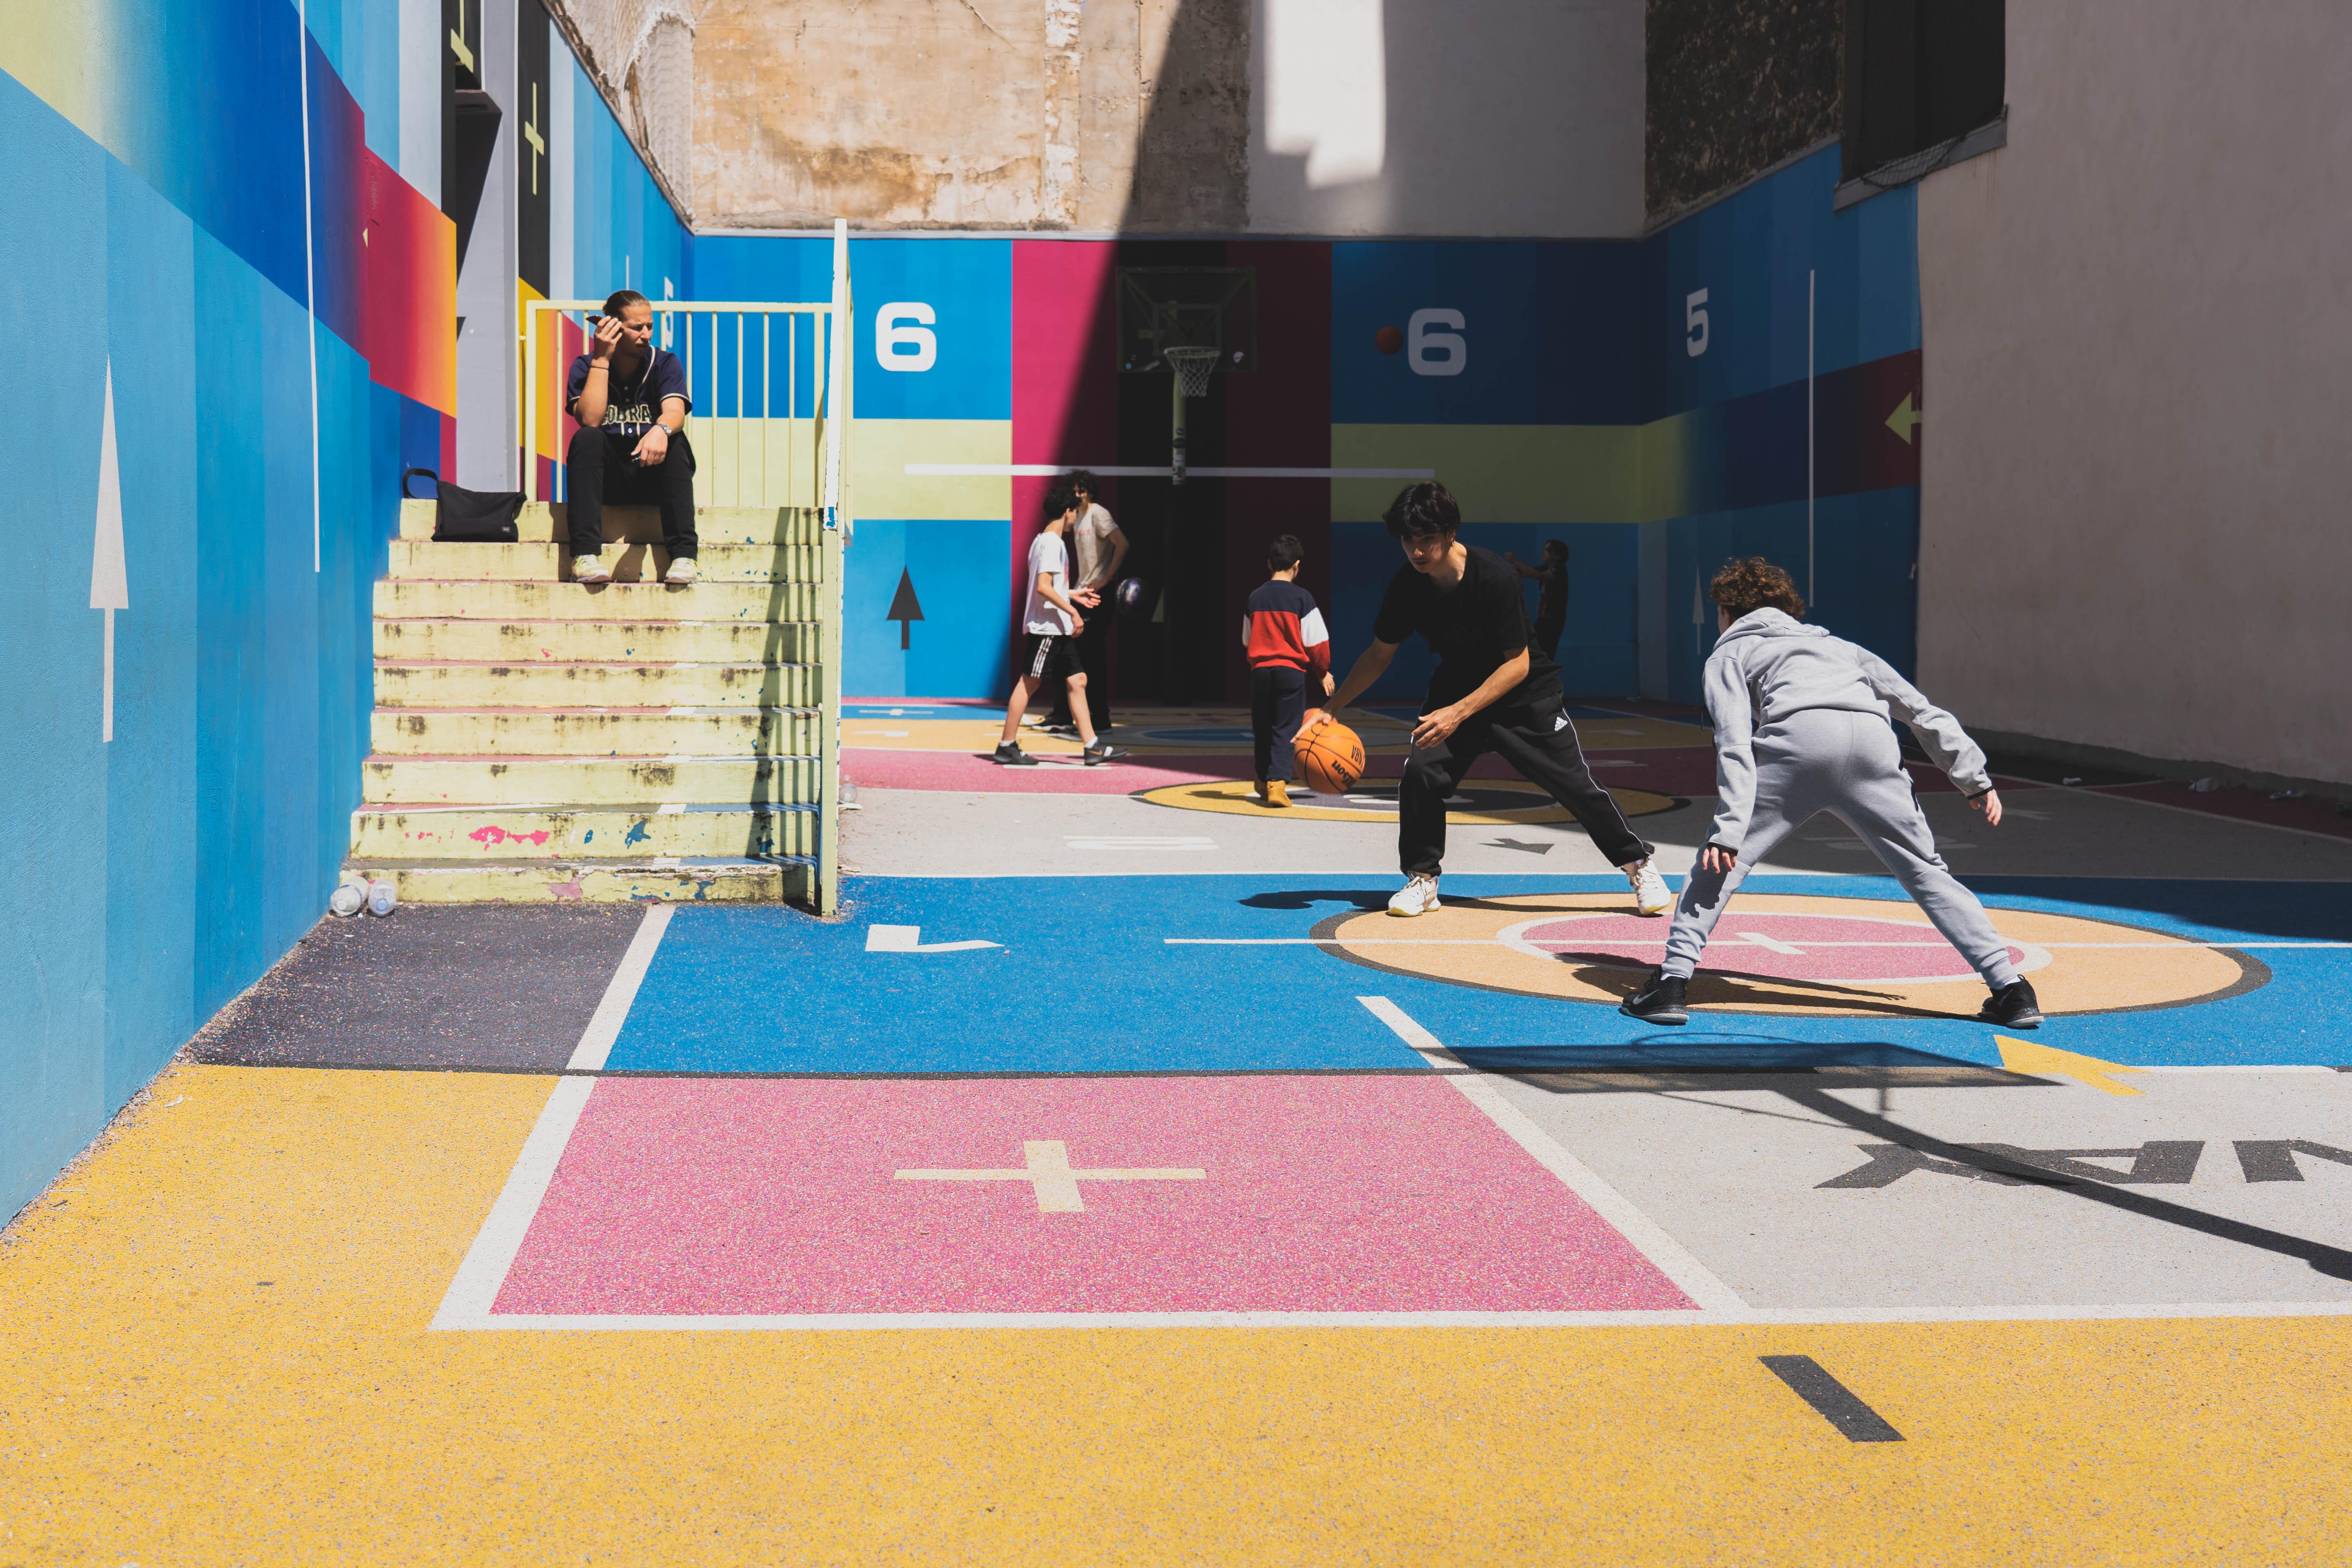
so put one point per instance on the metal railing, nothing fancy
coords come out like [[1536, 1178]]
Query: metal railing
[[717, 431]]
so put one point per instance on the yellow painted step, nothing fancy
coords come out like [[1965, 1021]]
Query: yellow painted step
[[573, 732], [454, 833], [421, 559], [542, 521], [458, 600], [525, 641], [603, 781], [585, 685], [616, 881]]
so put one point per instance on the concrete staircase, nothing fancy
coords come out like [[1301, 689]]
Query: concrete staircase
[[537, 741]]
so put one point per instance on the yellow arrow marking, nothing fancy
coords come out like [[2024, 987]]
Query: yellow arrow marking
[[1904, 420], [2049, 1061]]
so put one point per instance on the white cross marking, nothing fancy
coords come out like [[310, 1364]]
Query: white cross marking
[[1046, 1168]]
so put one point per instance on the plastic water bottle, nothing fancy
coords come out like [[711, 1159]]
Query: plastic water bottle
[[346, 901], [381, 898]]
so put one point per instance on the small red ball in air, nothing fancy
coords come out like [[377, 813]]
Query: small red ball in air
[[1388, 340]]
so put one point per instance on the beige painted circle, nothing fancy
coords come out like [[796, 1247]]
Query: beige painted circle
[[1233, 795], [2079, 965]]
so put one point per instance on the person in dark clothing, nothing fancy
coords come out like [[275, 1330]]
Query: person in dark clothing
[[1491, 692], [630, 401], [1283, 632], [1552, 598]]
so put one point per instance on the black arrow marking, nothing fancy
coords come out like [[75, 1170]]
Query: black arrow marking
[[904, 609]]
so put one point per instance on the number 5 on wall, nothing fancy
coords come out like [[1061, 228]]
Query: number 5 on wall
[[898, 346], [1695, 322], [1421, 344]]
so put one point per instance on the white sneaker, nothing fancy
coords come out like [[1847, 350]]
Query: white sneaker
[[589, 569], [683, 572], [1417, 897], [1650, 895]]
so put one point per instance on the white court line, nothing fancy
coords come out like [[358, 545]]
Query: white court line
[[836, 1322], [612, 1011], [1669, 1256], [475, 1290]]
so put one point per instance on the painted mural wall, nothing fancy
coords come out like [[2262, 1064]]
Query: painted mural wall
[[231, 378], [1646, 403]]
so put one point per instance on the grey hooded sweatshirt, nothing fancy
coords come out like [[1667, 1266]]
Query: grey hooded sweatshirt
[[1769, 666]]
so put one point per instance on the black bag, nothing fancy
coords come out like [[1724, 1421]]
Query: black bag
[[473, 517]]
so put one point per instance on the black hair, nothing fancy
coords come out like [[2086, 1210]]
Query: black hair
[[1059, 500], [1284, 553], [1421, 511], [1559, 544], [621, 300], [1083, 480]]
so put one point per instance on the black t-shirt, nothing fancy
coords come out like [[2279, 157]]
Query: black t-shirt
[[1551, 597], [1473, 626]]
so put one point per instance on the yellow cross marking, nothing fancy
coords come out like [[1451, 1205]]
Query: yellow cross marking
[[530, 134], [458, 39], [1046, 1168]]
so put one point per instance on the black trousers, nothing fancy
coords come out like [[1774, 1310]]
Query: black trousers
[[598, 472], [1548, 637], [1540, 745], [1278, 702]]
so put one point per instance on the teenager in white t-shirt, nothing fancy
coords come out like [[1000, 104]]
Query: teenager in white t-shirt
[[1052, 623], [1100, 549]]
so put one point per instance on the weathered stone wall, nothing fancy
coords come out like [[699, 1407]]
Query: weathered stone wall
[[1047, 114], [1735, 86]]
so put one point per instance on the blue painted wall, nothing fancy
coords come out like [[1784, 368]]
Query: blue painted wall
[[151, 878]]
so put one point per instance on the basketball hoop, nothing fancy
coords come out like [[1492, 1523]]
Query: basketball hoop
[[1192, 366]]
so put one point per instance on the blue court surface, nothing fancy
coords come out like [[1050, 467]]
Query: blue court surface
[[1083, 978]]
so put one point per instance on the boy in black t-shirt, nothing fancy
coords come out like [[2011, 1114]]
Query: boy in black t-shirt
[[1492, 692], [1551, 599]]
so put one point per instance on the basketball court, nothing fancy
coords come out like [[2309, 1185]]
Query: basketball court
[[1114, 1164]]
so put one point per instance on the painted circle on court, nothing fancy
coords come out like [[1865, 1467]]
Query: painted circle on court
[[1478, 803], [1822, 957], [1770, 944]]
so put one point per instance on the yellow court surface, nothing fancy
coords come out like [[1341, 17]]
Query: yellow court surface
[[216, 1340]]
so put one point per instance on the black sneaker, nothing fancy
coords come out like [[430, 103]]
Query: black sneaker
[[1103, 751], [1060, 727], [1659, 1001], [2013, 1006], [1012, 756]]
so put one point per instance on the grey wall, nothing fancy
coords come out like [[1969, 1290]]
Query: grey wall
[[486, 355], [1446, 117], [2138, 363]]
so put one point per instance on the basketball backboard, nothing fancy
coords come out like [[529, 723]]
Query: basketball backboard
[[1162, 308]]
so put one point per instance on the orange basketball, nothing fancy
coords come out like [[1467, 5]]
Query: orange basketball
[[1331, 757]]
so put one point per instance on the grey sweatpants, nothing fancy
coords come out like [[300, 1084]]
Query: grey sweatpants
[[1848, 764]]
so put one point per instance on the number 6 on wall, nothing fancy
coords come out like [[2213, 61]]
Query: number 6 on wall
[[1695, 322], [902, 347], [1421, 342]]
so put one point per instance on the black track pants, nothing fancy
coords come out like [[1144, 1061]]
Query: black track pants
[[1541, 747], [1278, 702]]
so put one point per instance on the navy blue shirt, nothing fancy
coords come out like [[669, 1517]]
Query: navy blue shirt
[[631, 406]]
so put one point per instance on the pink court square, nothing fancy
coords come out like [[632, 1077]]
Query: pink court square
[[1277, 1194]]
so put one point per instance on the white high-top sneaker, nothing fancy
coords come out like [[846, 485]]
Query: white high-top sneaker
[[1417, 897], [1650, 895]]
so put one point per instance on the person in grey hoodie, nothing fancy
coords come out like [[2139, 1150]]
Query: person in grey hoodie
[[1802, 726]]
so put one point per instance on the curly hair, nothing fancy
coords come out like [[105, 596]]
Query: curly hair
[[1743, 586], [1421, 511]]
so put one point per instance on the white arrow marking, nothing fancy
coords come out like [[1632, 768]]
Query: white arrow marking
[[110, 578], [1771, 944], [909, 939]]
